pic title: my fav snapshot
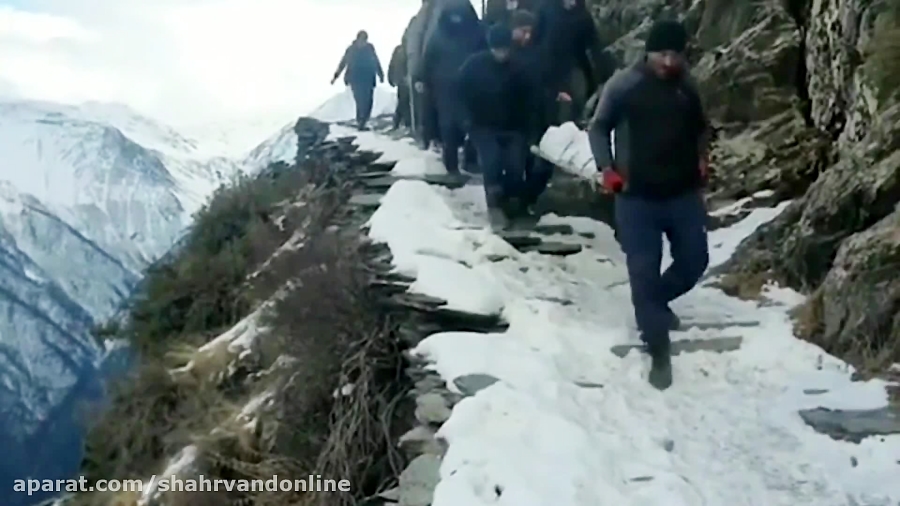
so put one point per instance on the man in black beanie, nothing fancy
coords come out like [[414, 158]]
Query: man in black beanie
[[497, 97], [657, 174]]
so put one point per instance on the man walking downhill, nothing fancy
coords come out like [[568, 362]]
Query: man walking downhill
[[658, 172], [362, 66], [457, 36], [566, 33], [497, 97], [537, 170], [397, 79]]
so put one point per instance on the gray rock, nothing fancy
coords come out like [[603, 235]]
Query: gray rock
[[554, 229], [815, 391], [418, 481], [669, 445], [429, 383], [716, 344], [853, 425], [520, 239], [470, 384], [432, 408], [392, 495], [554, 248], [366, 200], [421, 440]]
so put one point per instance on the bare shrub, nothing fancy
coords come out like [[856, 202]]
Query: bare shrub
[[337, 405]]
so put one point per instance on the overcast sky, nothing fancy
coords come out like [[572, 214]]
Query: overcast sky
[[189, 61]]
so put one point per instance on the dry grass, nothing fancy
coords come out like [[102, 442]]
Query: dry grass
[[808, 318], [744, 285]]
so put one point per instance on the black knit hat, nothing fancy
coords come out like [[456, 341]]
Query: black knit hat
[[522, 18], [667, 36], [499, 36]]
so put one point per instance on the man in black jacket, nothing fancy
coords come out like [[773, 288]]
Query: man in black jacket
[[457, 36], [397, 78], [537, 170], [566, 33], [497, 97], [659, 169], [362, 65]]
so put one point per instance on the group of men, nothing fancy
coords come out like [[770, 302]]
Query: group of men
[[494, 92], [491, 87]]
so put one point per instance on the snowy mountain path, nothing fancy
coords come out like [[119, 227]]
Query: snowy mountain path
[[569, 422]]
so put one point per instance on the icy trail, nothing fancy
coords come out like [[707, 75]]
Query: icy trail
[[570, 423]]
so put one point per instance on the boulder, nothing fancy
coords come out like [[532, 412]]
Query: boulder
[[861, 189], [860, 298]]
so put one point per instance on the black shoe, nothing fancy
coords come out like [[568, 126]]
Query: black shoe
[[497, 219], [660, 376], [675, 322]]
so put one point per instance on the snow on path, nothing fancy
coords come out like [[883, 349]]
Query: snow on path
[[726, 433]]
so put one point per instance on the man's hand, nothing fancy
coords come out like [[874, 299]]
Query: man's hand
[[704, 170], [381, 78], [333, 79], [610, 181], [563, 97], [419, 86]]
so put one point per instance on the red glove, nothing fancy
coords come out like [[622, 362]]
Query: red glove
[[612, 181], [704, 170]]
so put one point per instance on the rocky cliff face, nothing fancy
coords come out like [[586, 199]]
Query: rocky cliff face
[[804, 102]]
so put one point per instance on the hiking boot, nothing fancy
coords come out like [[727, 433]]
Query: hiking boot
[[497, 219], [660, 376], [675, 321]]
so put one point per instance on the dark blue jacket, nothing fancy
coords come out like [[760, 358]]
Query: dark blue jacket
[[450, 45], [565, 37], [661, 132], [496, 95], [362, 65], [530, 60]]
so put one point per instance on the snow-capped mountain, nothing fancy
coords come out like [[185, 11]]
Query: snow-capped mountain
[[89, 196]]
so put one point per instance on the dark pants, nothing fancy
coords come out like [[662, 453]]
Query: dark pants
[[363, 95], [641, 224], [502, 159], [452, 132], [537, 170], [424, 117], [401, 114]]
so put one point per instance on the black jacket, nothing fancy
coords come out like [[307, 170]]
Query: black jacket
[[397, 67], [496, 95], [565, 37], [449, 46], [362, 65], [661, 132]]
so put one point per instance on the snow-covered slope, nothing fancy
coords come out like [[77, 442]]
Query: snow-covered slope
[[341, 107]]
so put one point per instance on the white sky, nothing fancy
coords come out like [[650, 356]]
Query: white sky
[[190, 61]]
